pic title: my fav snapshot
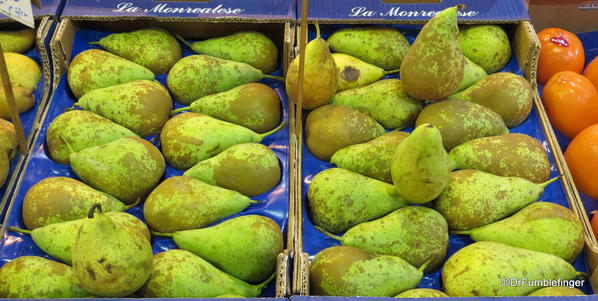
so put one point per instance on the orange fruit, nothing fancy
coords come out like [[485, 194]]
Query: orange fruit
[[582, 159], [560, 51], [591, 72]]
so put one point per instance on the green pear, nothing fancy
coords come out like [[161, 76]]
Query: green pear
[[254, 106], [397, 233], [460, 121], [182, 203], [196, 76], [433, 66], [354, 73], [4, 168], [384, 47], [24, 100], [508, 94], [77, 130], [472, 74], [348, 271], [421, 293], [245, 247], [94, 69], [58, 240], [179, 274], [474, 198], [320, 75], [60, 199], [142, 106], [109, 259], [248, 168], [557, 291], [32, 277], [153, 48], [22, 70], [485, 268], [485, 45], [190, 138], [420, 166], [371, 159], [340, 199], [19, 41], [250, 47], [544, 227], [127, 168], [509, 155], [385, 101], [230, 296], [8, 138], [332, 127]]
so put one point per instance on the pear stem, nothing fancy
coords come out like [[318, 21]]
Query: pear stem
[[183, 40], [276, 129], [16, 229], [392, 71], [462, 232], [254, 202], [550, 181], [137, 202], [279, 78], [68, 145], [317, 29], [154, 233], [582, 275], [72, 107], [328, 233], [95, 206], [261, 285], [425, 265], [174, 112], [94, 43]]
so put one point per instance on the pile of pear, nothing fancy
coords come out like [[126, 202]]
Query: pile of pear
[[120, 138], [393, 198]]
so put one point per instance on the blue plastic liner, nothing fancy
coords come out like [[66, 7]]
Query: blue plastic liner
[[314, 241], [274, 204], [28, 118]]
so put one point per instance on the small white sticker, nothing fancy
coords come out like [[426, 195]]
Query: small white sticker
[[19, 10]]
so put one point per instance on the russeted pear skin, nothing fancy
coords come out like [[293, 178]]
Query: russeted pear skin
[[421, 293], [153, 48], [384, 47], [460, 121], [472, 74], [542, 226], [254, 106], [420, 166], [79, 129], [24, 100], [178, 274], [371, 159], [385, 101], [109, 259], [332, 127], [354, 73], [22, 70], [508, 94], [4, 168], [474, 198], [479, 269], [60, 199], [58, 239], [183, 203], [557, 291], [189, 138], [340, 199], [127, 168], [94, 69], [250, 47], [19, 41], [509, 155], [245, 247], [349, 271], [485, 45], [397, 233], [248, 168], [433, 66], [196, 76], [8, 137], [32, 277], [142, 106], [320, 75]]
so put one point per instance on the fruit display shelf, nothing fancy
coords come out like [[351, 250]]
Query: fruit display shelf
[[273, 204], [311, 241]]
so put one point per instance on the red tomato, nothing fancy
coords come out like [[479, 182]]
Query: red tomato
[[560, 51]]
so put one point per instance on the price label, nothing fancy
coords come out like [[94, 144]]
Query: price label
[[19, 10]]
